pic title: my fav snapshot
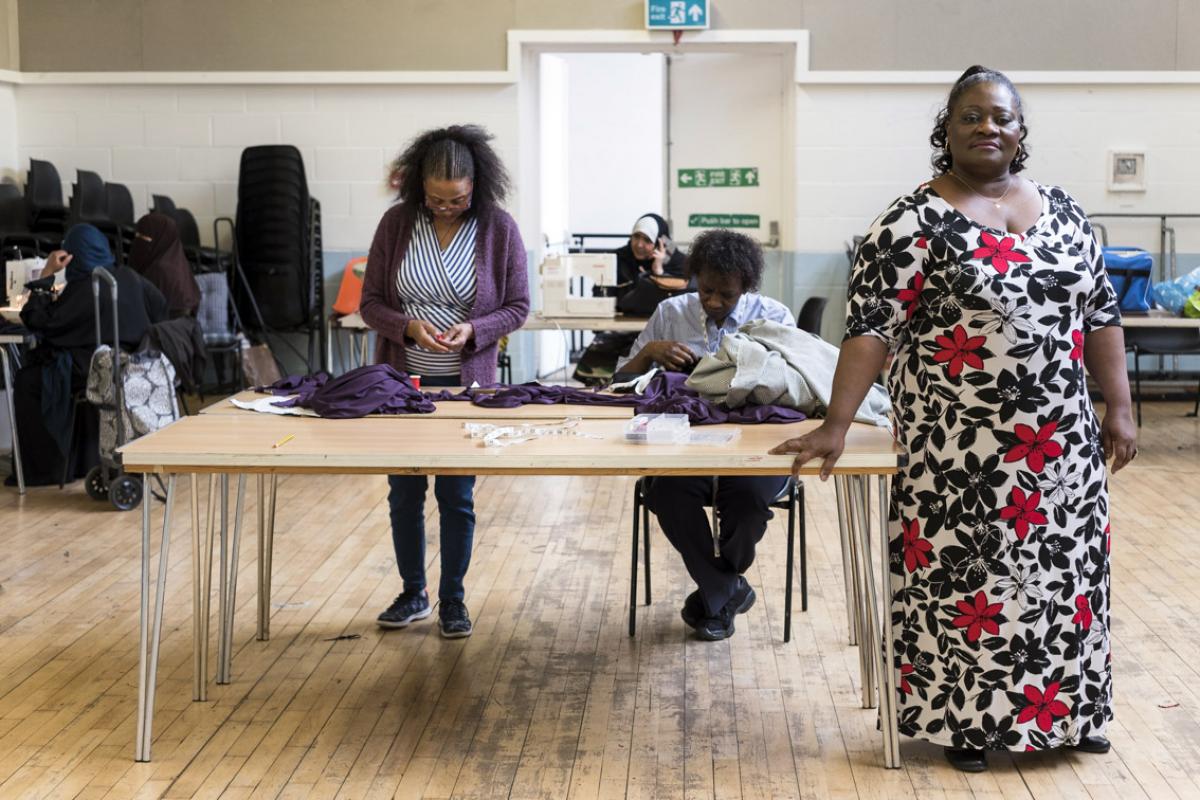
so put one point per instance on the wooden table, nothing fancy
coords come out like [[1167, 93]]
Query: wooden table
[[1157, 318], [1159, 333], [7, 339], [457, 409], [537, 322], [222, 444]]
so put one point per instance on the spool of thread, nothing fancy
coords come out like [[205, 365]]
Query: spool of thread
[[416, 381]]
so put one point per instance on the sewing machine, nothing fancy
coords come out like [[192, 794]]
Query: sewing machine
[[560, 284]]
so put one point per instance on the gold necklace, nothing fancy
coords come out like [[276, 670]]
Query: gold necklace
[[995, 201]]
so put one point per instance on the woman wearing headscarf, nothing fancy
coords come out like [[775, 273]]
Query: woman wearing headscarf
[[65, 324], [157, 255], [648, 261]]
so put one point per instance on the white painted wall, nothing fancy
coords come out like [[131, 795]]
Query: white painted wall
[[615, 139], [185, 141], [8, 134], [859, 147]]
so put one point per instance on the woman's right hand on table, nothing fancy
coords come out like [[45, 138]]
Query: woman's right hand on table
[[825, 442], [425, 334]]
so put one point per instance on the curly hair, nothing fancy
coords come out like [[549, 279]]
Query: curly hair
[[941, 160], [728, 254], [459, 151]]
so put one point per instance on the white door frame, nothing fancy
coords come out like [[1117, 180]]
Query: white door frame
[[525, 46]]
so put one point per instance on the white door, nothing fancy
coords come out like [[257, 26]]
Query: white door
[[727, 134]]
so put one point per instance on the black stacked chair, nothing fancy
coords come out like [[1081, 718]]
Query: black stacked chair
[[163, 205], [120, 211], [14, 224], [44, 200], [278, 246], [89, 204], [203, 259]]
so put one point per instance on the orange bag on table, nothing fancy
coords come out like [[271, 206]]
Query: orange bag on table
[[350, 292]]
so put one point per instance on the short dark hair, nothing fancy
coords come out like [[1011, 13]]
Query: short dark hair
[[459, 151], [729, 254], [942, 161]]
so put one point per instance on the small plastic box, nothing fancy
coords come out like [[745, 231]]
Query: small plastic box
[[658, 429]]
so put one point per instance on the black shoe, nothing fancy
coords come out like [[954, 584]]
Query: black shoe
[[714, 629], [1092, 744], [453, 619], [408, 607], [693, 609], [965, 759]]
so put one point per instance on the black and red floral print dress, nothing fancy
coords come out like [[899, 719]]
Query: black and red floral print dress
[[999, 523]]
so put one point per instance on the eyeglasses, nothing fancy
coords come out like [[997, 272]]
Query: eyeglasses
[[457, 204]]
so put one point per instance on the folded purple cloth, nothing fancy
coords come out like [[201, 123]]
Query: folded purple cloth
[[374, 389], [665, 394]]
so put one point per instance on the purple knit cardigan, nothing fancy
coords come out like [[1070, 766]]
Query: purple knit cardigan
[[501, 291]]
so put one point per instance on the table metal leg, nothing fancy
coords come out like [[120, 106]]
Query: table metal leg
[[266, 547], [223, 580], [210, 524], [839, 485], [225, 668], [860, 549], [12, 419], [890, 722], [148, 660]]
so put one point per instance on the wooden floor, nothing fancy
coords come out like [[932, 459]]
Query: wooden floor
[[549, 698]]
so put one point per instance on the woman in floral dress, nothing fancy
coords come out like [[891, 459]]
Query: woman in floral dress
[[990, 289]]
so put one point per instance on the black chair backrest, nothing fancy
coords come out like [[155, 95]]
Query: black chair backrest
[[809, 318], [89, 201], [43, 189], [120, 203], [12, 215], [163, 205], [9, 190], [189, 231], [274, 217]]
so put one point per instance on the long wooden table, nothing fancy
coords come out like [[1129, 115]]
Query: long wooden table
[[538, 322], [455, 409], [220, 445]]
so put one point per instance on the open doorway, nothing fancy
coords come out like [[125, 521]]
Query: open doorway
[[700, 133]]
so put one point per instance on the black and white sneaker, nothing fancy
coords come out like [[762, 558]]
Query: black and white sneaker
[[714, 629], [454, 620], [407, 608]]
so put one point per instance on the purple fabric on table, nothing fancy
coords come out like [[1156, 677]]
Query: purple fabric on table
[[374, 389], [665, 394]]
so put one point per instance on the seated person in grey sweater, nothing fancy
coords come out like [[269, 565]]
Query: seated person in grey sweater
[[728, 269]]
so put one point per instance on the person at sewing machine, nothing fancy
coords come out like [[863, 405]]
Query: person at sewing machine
[[649, 267], [727, 268]]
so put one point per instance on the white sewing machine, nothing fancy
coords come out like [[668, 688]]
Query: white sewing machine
[[559, 274]]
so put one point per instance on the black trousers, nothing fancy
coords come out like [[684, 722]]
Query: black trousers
[[743, 506]]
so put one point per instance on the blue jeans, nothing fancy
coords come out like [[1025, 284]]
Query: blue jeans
[[456, 508]]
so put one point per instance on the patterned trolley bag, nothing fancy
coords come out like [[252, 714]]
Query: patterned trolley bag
[[135, 395]]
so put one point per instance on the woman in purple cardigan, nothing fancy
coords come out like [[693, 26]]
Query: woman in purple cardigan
[[446, 280]]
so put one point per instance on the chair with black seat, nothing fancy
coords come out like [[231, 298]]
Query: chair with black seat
[[1160, 342], [14, 223], [278, 247], [789, 499], [163, 205], [43, 197], [220, 326], [811, 313], [120, 211], [89, 204], [203, 259]]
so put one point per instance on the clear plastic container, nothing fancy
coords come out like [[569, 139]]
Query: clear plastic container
[[658, 429]]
